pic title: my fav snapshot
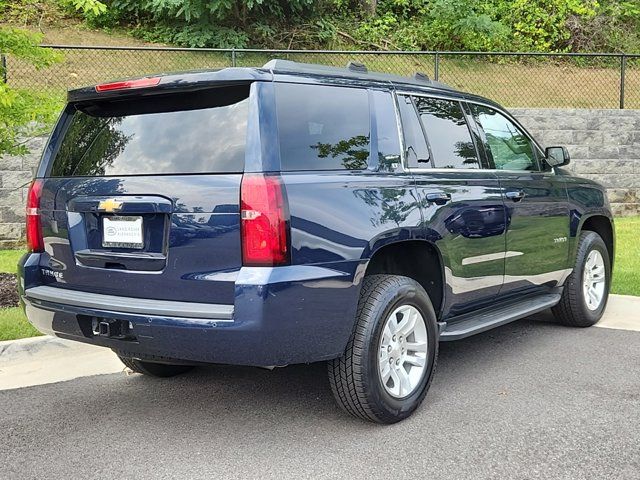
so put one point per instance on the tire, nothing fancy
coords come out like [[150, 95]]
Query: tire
[[154, 369], [574, 308], [356, 377]]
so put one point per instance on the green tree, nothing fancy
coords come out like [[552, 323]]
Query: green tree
[[542, 25], [88, 7], [209, 23], [21, 111]]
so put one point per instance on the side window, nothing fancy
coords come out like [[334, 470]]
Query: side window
[[386, 131], [417, 152], [507, 144], [448, 133], [322, 127]]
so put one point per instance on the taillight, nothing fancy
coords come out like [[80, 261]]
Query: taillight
[[127, 84], [263, 221], [34, 226]]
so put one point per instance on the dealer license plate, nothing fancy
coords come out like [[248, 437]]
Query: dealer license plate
[[122, 232]]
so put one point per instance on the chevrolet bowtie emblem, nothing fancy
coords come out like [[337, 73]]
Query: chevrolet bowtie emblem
[[109, 205]]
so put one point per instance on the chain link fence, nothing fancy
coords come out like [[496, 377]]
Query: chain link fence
[[513, 79]]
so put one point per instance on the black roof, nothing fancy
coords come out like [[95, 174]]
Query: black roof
[[194, 80]]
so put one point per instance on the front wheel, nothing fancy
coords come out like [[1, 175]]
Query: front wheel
[[586, 291], [387, 367]]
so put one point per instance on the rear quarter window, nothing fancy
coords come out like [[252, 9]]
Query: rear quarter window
[[176, 134], [322, 127]]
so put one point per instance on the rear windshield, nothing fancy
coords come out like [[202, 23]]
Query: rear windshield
[[199, 132]]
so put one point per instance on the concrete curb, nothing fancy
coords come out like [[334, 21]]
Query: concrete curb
[[30, 344], [46, 359]]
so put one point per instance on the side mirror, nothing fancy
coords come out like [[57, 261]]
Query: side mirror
[[557, 156]]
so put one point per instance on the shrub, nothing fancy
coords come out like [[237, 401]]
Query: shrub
[[23, 112]]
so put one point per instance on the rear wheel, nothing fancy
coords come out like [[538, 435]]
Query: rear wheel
[[154, 369], [389, 362], [586, 291]]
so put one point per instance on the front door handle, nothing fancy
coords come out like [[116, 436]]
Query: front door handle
[[439, 198], [515, 195]]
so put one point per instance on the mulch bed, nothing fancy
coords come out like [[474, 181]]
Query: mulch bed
[[8, 290]]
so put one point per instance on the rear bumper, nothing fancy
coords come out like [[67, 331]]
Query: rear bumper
[[280, 316]]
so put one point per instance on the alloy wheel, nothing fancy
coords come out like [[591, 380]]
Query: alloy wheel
[[594, 280], [403, 351]]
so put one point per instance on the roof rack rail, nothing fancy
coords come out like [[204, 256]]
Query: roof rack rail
[[353, 70], [357, 67]]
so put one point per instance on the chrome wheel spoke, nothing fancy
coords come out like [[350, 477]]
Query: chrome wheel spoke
[[589, 263], [385, 373], [415, 360], [416, 346], [405, 383], [406, 326], [391, 328], [386, 335], [396, 389], [384, 355], [592, 297]]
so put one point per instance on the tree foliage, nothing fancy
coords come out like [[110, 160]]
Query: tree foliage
[[88, 7], [23, 112], [523, 25], [539, 25]]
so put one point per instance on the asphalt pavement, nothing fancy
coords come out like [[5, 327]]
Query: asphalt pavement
[[525, 401]]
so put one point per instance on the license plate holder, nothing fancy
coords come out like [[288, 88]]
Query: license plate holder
[[122, 231]]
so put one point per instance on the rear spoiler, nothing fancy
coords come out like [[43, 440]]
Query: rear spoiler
[[168, 83]]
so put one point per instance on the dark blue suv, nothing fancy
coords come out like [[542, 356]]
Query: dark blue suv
[[297, 213]]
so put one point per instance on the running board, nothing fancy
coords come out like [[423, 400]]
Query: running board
[[486, 319]]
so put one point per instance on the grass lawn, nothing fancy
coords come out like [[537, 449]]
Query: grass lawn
[[626, 278], [13, 323], [9, 260], [626, 272]]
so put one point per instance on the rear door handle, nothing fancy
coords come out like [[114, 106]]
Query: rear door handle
[[515, 195], [439, 198]]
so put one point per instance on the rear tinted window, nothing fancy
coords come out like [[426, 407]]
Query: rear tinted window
[[322, 127], [157, 136], [448, 133]]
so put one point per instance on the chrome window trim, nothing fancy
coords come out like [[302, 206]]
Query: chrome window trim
[[498, 108], [459, 170], [404, 167]]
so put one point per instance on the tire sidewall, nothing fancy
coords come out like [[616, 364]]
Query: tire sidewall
[[408, 293], [591, 242]]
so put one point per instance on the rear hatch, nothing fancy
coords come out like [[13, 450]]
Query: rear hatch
[[140, 195]]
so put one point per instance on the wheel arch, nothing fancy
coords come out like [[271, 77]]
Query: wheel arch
[[603, 226], [416, 259]]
